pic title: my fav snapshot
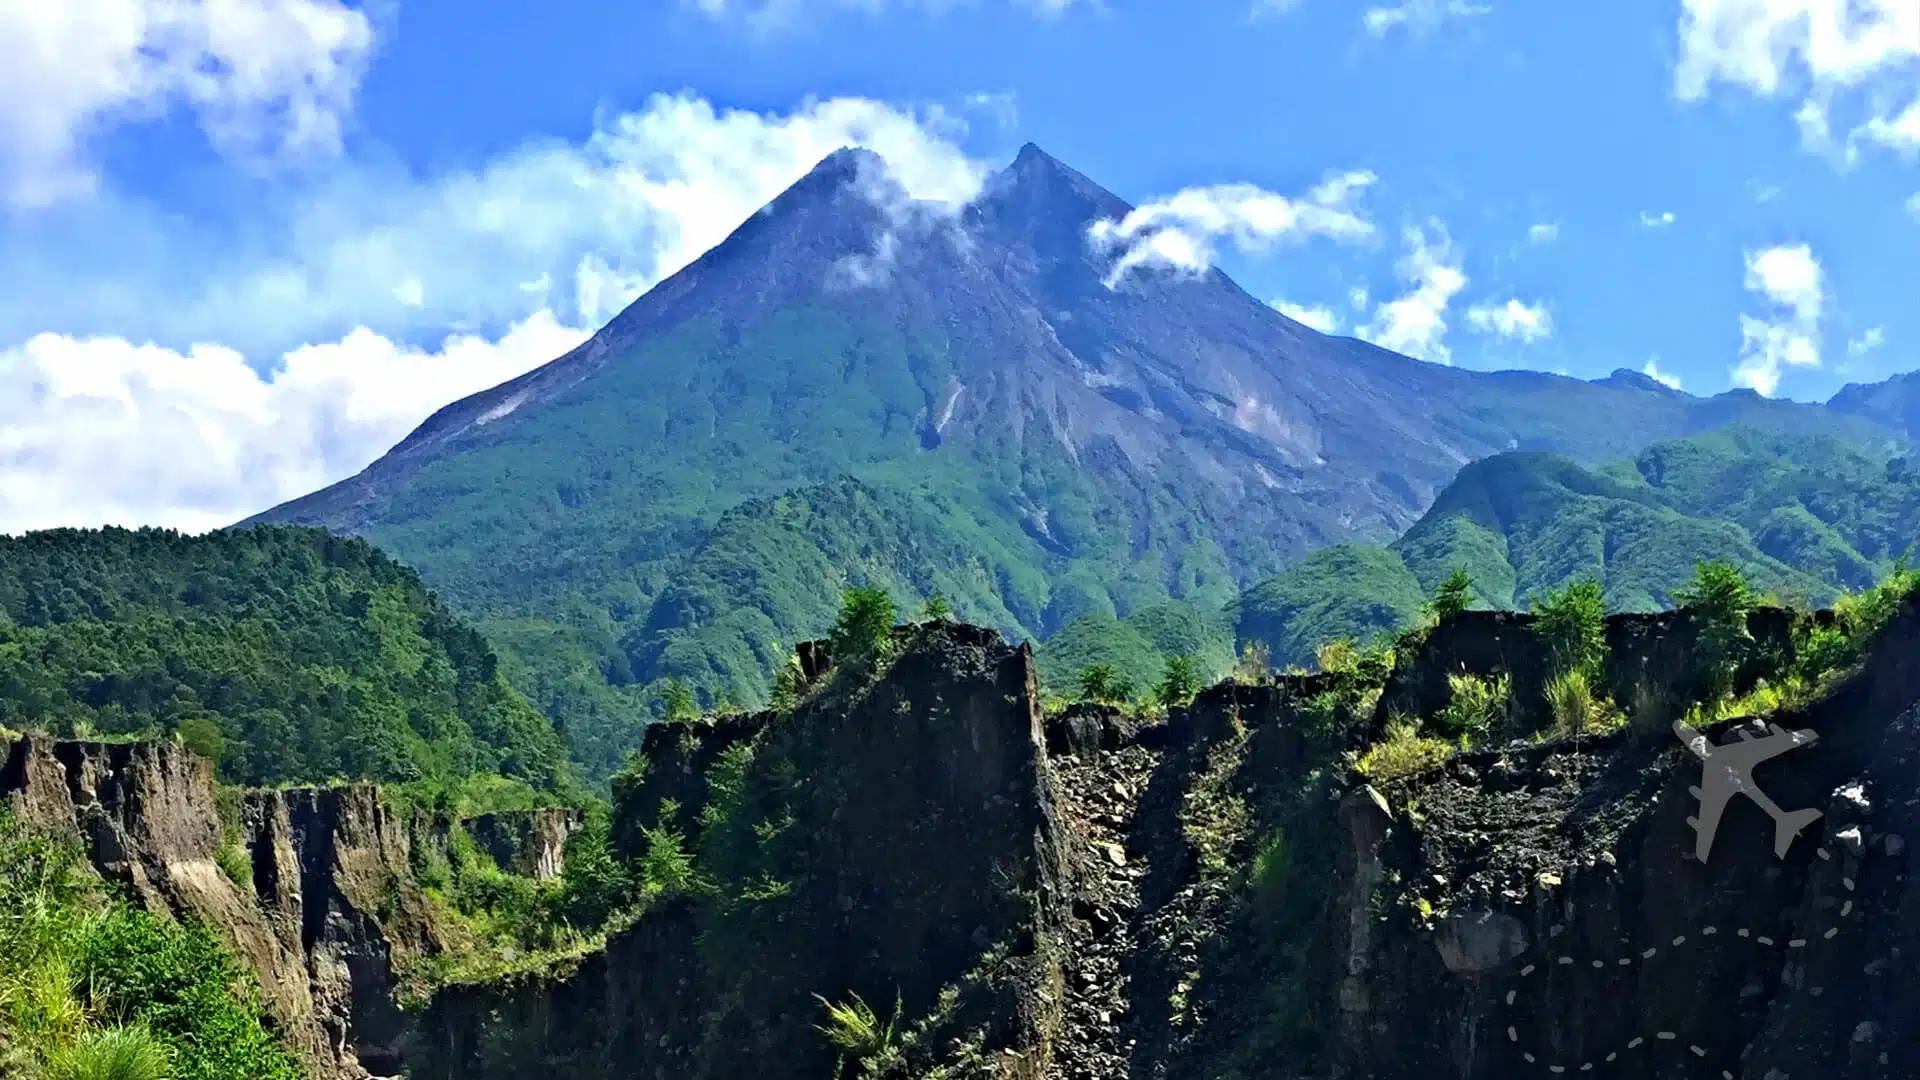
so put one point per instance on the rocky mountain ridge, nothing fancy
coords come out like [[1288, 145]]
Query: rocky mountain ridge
[[852, 389]]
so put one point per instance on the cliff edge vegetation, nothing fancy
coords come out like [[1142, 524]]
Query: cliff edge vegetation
[[93, 987]]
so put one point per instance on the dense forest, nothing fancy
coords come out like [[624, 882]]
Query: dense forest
[[286, 654], [1805, 519]]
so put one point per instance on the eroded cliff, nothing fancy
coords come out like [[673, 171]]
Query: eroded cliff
[[326, 911], [1219, 893], [1223, 891], [892, 840]]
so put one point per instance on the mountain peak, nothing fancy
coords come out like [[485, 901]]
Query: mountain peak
[[839, 194], [1630, 379], [848, 161], [1031, 154], [1040, 196], [845, 167]]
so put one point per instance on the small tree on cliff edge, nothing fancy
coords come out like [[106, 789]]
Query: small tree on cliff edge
[[864, 631], [1180, 683], [1573, 622], [679, 701], [1103, 684], [1720, 599], [1454, 596]]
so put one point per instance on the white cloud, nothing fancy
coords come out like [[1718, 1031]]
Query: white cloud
[[1857, 57], [1789, 276], [1513, 319], [1790, 280], [1873, 338], [1913, 205], [1178, 232], [1418, 16], [97, 431], [1415, 323], [263, 77], [1321, 318], [580, 228], [1544, 233], [1666, 379], [1358, 297], [1656, 221], [1267, 9], [153, 374]]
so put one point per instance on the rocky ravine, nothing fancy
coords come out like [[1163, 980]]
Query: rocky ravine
[[331, 909], [1204, 897], [1207, 897]]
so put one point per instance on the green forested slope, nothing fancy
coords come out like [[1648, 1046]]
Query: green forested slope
[[1137, 647], [671, 499], [288, 654], [1803, 517]]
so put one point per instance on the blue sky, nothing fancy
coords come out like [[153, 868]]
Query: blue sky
[[245, 246]]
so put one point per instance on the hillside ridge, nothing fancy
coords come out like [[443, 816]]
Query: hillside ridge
[[1094, 446]]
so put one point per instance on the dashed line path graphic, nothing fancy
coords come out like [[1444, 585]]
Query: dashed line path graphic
[[1559, 1069], [1726, 770]]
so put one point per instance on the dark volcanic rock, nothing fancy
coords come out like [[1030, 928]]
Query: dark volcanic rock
[[1605, 948], [920, 854]]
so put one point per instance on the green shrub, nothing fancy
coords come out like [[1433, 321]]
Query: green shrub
[[1403, 752], [1576, 709], [1102, 684], [1255, 663], [118, 1053], [1180, 682], [856, 1030], [678, 702], [936, 609], [1454, 596], [1720, 600], [863, 634], [1476, 707], [1572, 620], [1345, 656], [1339, 655], [1821, 651], [666, 869], [789, 684], [594, 883], [1323, 716], [234, 863], [181, 983]]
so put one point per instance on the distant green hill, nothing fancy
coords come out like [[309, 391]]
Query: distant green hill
[[1803, 517], [1137, 646], [291, 655]]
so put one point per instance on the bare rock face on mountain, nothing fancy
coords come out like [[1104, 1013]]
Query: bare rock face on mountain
[[1081, 443]]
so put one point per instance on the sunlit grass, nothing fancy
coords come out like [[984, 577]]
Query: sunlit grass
[[1403, 752]]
